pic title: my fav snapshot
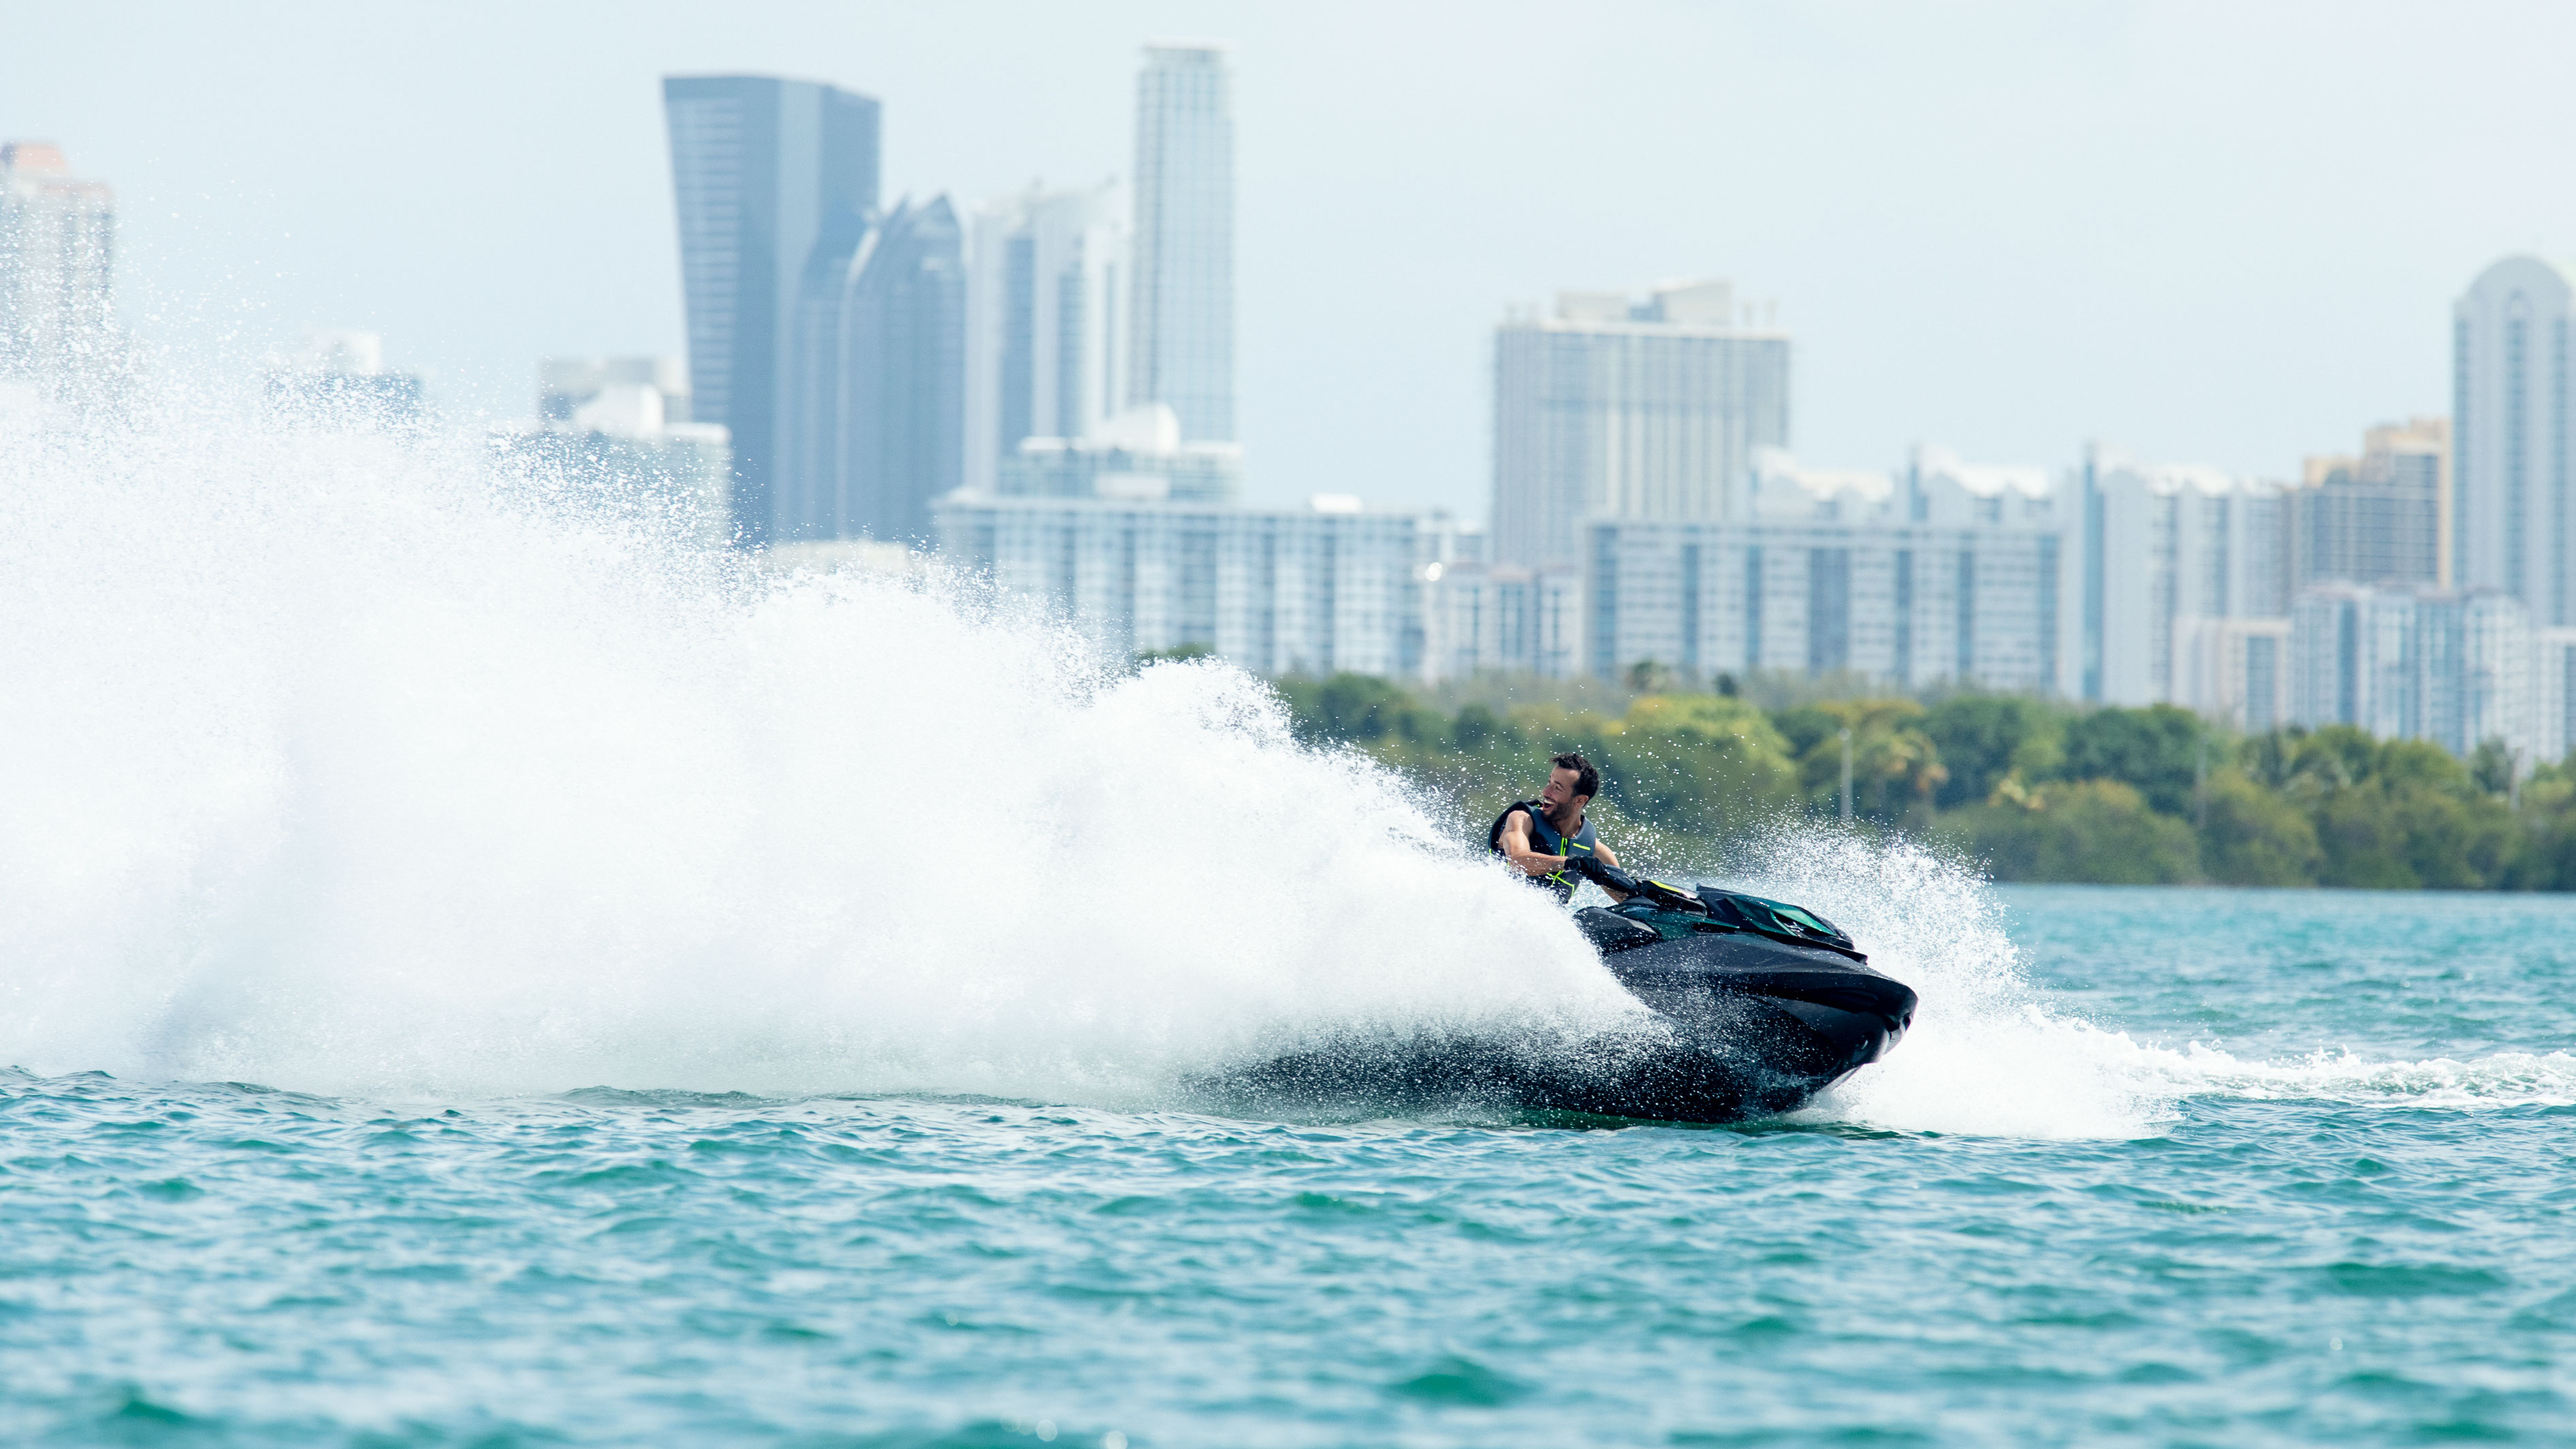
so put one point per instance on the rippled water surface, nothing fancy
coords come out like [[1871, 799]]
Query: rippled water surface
[[2328, 1204]]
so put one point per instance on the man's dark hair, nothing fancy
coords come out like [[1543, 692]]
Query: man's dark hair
[[1587, 780]]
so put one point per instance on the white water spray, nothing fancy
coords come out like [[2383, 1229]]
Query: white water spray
[[1988, 1056], [1984, 1056], [332, 763]]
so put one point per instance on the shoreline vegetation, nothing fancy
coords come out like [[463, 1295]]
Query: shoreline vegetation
[[2029, 789]]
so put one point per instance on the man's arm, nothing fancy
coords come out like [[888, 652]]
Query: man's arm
[[1515, 841], [1517, 848]]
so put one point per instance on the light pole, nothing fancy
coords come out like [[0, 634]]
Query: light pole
[[2200, 783], [1846, 734]]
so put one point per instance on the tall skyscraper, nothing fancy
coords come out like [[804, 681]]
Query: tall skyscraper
[[57, 268], [2513, 515], [1183, 333], [1645, 411], [763, 168], [1045, 297], [876, 419]]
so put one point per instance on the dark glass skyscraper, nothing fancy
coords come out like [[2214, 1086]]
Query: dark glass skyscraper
[[764, 169], [878, 424]]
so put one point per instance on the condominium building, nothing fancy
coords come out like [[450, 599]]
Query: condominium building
[[1182, 329], [2513, 515], [2382, 517], [1278, 591], [763, 169], [1630, 411], [1137, 456], [1046, 287], [2419, 663], [1947, 572], [57, 270], [2237, 670], [2553, 694], [2164, 546], [1482, 617]]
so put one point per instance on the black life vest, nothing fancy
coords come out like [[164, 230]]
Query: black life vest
[[1548, 841]]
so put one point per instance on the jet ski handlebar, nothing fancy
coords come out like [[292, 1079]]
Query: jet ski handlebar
[[1611, 877], [1728, 909]]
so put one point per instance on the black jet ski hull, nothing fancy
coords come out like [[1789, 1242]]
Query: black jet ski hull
[[1759, 1026], [1749, 1027]]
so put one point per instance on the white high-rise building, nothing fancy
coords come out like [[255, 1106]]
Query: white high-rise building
[[2382, 517], [1311, 591], [2513, 402], [1046, 278], [1136, 455], [1482, 617], [2420, 663], [1630, 411], [2167, 550], [2235, 669], [57, 269], [1948, 572], [1182, 342], [2553, 695]]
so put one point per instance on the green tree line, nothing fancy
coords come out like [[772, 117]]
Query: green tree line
[[2035, 790]]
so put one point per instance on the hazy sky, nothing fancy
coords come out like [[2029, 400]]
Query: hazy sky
[[2221, 233]]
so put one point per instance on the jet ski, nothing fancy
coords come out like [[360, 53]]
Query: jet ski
[[1760, 1005]]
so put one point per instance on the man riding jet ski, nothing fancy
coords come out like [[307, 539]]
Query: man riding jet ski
[[1545, 837], [1758, 1004], [1770, 1002]]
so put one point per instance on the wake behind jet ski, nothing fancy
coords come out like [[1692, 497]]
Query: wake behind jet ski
[[1758, 1004]]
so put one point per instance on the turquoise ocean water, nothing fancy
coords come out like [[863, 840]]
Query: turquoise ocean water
[[2245, 1168]]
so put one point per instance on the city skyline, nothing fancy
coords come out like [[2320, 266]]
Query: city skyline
[[2019, 299]]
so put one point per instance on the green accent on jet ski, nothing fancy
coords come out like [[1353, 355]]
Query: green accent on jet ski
[[1711, 909]]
